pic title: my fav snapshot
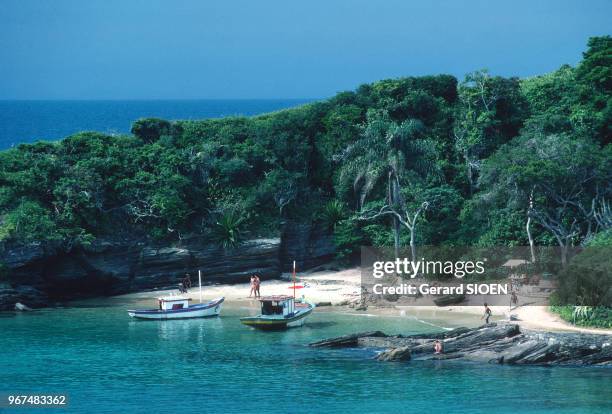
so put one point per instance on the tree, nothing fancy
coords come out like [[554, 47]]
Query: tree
[[558, 180], [388, 152], [282, 186], [151, 129], [595, 77], [490, 111]]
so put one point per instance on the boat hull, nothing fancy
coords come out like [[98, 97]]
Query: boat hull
[[275, 323], [200, 310]]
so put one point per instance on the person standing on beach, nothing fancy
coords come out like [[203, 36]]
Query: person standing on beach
[[187, 281], [513, 300], [253, 291], [487, 313], [257, 284]]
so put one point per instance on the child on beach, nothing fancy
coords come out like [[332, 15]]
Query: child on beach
[[487, 313]]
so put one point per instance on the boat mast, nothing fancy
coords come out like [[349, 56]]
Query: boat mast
[[294, 280], [200, 281]]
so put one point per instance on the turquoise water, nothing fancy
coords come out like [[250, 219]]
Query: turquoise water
[[28, 121], [108, 363]]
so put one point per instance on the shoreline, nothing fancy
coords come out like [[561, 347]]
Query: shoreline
[[340, 289]]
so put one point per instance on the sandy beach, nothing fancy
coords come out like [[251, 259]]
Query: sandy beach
[[341, 289]]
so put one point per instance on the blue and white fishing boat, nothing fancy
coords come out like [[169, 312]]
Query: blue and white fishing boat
[[280, 312], [178, 307]]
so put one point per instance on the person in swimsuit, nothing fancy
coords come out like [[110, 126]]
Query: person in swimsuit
[[253, 291], [437, 347], [257, 284]]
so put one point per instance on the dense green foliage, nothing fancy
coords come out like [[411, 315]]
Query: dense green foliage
[[410, 161], [587, 281]]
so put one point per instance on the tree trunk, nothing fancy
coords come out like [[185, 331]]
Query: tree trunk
[[528, 227], [564, 249], [412, 244], [395, 224], [530, 237], [470, 173]]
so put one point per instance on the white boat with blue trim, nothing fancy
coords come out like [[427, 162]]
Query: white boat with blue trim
[[178, 307], [280, 312]]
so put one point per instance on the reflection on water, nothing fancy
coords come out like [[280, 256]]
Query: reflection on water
[[108, 362]]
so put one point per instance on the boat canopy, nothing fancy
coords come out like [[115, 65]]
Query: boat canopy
[[277, 305], [173, 302]]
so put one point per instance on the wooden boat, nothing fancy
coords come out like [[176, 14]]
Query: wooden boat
[[178, 307], [280, 312], [449, 300]]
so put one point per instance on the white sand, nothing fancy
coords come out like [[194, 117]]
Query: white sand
[[337, 287], [343, 288]]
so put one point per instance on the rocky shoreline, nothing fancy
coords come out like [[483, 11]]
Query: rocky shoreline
[[502, 343], [40, 275]]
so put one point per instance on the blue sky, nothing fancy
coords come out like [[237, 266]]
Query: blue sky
[[143, 49]]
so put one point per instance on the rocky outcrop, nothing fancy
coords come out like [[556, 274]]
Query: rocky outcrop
[[403, 353], [36, 275], [347, 340], [11, 295], [493, 343], [309, 244]]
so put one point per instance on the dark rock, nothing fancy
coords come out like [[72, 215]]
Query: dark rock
[[395, 354], [36, 274], [346, 340], [320, 304], [26, 295], [309, 244], [493, 343], [440, 335]]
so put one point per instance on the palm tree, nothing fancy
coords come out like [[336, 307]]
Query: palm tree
[[387, 151], [228, 229]]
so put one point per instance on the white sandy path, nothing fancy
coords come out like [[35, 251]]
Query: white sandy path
[[540, 318], [340, 287]]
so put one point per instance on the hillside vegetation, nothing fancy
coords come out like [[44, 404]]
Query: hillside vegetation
[[405, 162]]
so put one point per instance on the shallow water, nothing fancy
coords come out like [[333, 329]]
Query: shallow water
[[108, 363]]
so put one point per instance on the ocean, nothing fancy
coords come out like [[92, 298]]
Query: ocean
[[30, 121], [106, 362]]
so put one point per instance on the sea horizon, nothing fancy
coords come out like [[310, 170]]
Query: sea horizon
[[24, 121]]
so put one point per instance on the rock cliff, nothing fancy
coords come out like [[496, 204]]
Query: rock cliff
[[309, 244], [37, 275]]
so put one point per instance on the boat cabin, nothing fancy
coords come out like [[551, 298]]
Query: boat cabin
[[173, 303], [277, 306]]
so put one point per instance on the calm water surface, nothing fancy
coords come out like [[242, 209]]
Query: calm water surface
[[109, 363]]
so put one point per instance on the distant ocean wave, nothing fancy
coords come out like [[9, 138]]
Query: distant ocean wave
[[30, 121]]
